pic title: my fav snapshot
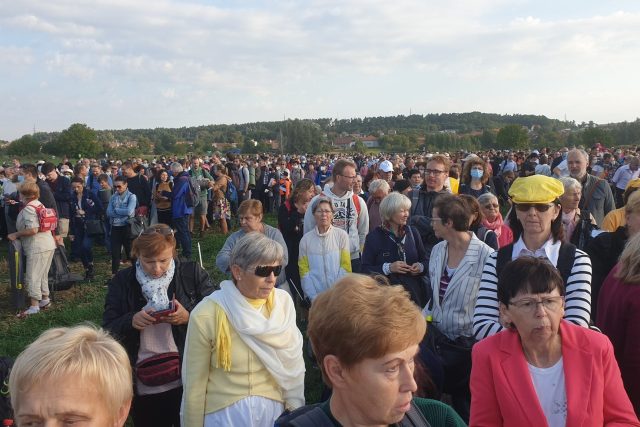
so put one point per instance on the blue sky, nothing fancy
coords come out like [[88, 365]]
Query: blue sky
[[135, 64]]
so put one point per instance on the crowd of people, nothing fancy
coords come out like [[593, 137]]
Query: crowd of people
[[412, 285]]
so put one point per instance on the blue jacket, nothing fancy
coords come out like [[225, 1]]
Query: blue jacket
[[121, 208], [179, 196]]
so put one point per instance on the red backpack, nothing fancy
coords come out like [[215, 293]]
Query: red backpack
[[47, 218]]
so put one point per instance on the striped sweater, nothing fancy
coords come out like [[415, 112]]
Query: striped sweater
[[486, 317]]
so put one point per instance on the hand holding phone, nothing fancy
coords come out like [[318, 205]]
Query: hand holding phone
[[161, 313]]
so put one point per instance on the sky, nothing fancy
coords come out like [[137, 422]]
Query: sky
[[115, 64]]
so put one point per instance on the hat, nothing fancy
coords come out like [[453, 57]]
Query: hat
[[634, 183], [535, 152], [65, 168], [386, 166], [535, 189]]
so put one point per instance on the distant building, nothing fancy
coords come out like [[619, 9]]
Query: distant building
[[370, 141], [344, 141]]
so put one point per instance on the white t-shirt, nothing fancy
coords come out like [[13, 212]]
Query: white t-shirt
[[551, 391], [563, 169]]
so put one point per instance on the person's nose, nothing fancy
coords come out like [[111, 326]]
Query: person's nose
[[408, 382]]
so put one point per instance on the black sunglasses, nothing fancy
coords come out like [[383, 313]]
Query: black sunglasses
[[266, 270], [540, 207], [160, 230], [118, 186]]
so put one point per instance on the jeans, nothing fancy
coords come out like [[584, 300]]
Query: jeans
[[107, 233], [183, 237], [82, 245], [119, 238]]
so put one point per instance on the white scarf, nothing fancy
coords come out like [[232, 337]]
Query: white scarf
[[155, 289], [275, 340]]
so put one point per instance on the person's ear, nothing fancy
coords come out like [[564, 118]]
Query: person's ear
[[123, 413], [236, 272], [505, 316], [334, 371]]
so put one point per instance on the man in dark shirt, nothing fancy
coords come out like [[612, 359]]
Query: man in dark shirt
[[61, 188], [139, 186]]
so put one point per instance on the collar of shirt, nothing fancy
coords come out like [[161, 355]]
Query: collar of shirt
[[550, 250]]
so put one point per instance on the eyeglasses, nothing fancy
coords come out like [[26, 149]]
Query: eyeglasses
[[118, 186], [323, 211], [540, 207], [266, 270], [528, 305], [434, 172], [160, 230], [492, 205], [349, 177]]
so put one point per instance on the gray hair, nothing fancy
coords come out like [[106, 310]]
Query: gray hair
[[319, 200], [176, 167], [580, 151], [392, 204], [378, 184], [255, 249], [486, 197], [570, 183]]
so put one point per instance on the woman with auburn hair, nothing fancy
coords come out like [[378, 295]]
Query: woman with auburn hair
[[365, 337], [475, 175], [78, 374], [243, 359], [38, 247], [250, 215], [619, 316], [147, 309]]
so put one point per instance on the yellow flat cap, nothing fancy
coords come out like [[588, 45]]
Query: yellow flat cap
[[535, 189]]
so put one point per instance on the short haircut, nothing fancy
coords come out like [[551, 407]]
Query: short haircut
[[127, 165], [321, 200], [557, 230], [47, 167], [29, 189], [250, 207], [570, 183], [85, 353], [529, 275], [486, 198], [77, 179], [378, 184], [150, 244], [629, 271], [176, 167], [103, 177], [474, 208], [442, 160], [452, 208], [413, 172], [358, 319], [339, 166], [121, 178], [303, 186], [633, 203], [580, 151], [255, 249], [30, 169], [392, 204]]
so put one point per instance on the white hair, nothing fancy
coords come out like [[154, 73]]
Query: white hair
[[176, 167], [392, 204], [378, 184]]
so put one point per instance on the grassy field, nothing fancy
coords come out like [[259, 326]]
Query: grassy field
[[85, 303]]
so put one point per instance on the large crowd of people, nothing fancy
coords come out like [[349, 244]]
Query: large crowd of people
[[500, 282]]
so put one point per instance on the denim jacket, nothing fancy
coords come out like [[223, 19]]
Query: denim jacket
[[121, 208]]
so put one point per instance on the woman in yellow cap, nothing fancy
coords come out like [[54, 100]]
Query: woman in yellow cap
[[537, 231]]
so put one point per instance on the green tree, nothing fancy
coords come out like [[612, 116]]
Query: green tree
[[359, 147], [78, 140], [592, 135], [23, 146], [488, 139], [512, 137]]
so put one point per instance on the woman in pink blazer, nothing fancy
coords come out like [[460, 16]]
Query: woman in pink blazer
[[543, 371]]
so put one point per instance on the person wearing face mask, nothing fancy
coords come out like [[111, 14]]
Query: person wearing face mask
[[147, 309], [474, 177]]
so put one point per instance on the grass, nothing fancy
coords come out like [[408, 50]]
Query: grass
[[85, 303]]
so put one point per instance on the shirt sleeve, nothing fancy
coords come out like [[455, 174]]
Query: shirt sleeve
[[486, 315], [578, 291]]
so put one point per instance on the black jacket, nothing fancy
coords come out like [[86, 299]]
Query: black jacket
[[62, 195], [124, 299], [46, 196], [141, 188], [421, 206]]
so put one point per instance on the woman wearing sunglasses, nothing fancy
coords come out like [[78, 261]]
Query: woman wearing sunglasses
[[492, 219], [147, 309], [243, 358], [536, 222]]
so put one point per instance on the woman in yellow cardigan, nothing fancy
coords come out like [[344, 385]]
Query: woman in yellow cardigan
[[243, 360]]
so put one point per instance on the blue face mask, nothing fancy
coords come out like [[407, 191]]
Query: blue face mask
[[20, 178], [476, 173]]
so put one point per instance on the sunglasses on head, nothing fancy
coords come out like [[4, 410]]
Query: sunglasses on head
[[540, 207], [118, 186], [266, 270], [152, 230]]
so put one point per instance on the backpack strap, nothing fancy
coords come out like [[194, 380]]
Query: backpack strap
[[415, 195], [591, 191], [414, 418], [503, 257], [566, 257], [356, 203], [313, 416]]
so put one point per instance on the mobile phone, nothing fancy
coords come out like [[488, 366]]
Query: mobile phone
[[161, 313]]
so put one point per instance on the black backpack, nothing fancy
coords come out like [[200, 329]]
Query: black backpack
[[6, 413]]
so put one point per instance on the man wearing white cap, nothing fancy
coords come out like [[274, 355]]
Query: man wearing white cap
[[385, 171]]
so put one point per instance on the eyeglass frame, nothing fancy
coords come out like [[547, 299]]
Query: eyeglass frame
[[519, 306]]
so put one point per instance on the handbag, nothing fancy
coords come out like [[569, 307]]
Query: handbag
[[137, 225], [93, 227], [160, 369], [450, 352]]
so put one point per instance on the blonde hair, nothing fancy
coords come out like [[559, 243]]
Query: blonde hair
[[629, 262], [633, 203], [29, 189], [83, 353], [359, 318]]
